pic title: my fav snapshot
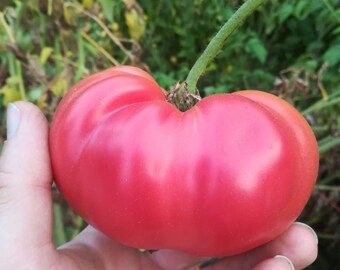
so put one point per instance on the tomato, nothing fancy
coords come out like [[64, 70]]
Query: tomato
[[229, 174]]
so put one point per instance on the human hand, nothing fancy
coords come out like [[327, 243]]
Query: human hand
[[26, 219]]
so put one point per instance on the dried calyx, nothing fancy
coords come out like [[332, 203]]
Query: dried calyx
[[179, 96]]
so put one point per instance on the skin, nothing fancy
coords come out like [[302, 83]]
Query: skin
[[26, 221], [118, 146]]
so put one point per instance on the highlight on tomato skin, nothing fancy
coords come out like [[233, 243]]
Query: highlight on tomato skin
[[226, 176]]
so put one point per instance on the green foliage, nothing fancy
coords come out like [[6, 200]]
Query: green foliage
[[290, 48], [107, 7], [278, 36]]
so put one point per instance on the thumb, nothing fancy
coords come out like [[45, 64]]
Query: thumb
[[25, 183]]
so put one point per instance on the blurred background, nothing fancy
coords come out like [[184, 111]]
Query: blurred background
[[290, 48]]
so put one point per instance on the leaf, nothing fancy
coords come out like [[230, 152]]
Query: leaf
[[87, 3], [13, 80], [336, 31], [60, 83], [256, 48], [42, 102], [33, 5], [136, 23], [35, 93], [211, 90], [59, 86], [9, 94], [328, 143], [285, 11], [70, 15], [107, 7], [332, 55], [311, 64], [59, 236], [45, 54], [300, 8], [270, 24]]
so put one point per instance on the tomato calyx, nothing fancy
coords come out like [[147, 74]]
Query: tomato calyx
[[179, 96]]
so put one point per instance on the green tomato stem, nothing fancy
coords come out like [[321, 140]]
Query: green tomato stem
[[217, 42]]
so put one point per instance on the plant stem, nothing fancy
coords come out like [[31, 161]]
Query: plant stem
[[104, 27], [7, 28], [100, 49], [217, 42], [21, 80]]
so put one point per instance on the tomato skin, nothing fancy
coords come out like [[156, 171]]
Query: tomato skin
[[228, 175]]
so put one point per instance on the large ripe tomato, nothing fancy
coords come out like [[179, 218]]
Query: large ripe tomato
[[231, 173]]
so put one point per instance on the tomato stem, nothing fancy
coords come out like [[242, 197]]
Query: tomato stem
[[218, 40]]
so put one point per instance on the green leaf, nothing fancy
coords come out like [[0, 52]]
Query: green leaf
[[311, 64], [332, 55], [59, 237], [107, 7], [9, 94], [59, 86], [322, 104], [45, 54], [136, 23], [210, 90], [285, 11], [256, 48], [300, 8], [87, 3], [35, 93], [70, 16], [336, 31], [328, 143]]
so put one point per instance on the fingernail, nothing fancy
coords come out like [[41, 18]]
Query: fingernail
[[289, 262], [13, 119], [310, 229]]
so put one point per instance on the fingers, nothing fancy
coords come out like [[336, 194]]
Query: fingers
[[277, 263], [25, 182], [25, 153], [297, 247], [298, 243], [92, 249], [170, 259]]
